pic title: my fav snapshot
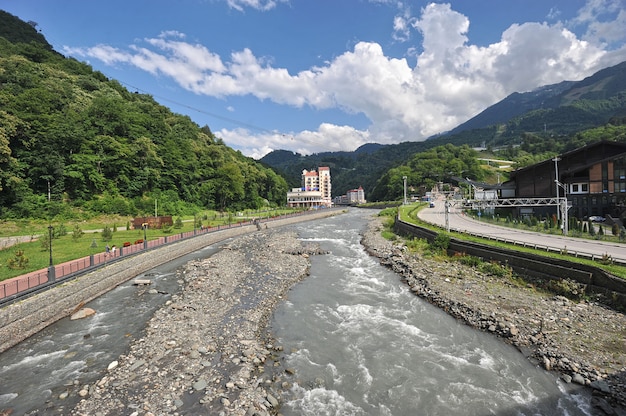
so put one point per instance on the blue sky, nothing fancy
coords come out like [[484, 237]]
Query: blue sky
[[327, 75]]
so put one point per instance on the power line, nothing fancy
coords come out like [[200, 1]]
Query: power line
[[228, 119]]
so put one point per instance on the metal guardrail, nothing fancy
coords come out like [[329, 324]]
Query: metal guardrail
[[43, 279], [541, 247]]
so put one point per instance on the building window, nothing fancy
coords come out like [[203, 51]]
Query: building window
[[619, 171], [579, 188]]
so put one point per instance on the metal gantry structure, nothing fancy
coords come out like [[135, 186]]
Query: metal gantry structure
[[560, 202]]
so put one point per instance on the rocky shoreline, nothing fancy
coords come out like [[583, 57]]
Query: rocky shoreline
[[208, 350], [584, 342]]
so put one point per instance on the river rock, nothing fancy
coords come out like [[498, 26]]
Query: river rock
[[82, 313]]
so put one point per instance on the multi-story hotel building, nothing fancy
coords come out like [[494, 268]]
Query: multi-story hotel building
[[352, 197], [315, 191]]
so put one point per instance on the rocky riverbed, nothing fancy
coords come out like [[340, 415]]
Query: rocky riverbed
[[208, 350]]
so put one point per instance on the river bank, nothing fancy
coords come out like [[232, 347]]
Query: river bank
[[584, 342]]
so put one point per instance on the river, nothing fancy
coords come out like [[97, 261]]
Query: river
[[361, 344], [35, 372]]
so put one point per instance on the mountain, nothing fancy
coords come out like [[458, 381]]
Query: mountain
[[559, 110], [512, 106], [72, 140], [563, 109]]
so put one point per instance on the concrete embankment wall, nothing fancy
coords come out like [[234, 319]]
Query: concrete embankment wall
[[595, 280], [20, 320]]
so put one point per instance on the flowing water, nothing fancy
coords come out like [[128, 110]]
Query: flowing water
[[361, 344], [34, 373]]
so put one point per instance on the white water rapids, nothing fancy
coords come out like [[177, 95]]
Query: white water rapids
[[361, 344]]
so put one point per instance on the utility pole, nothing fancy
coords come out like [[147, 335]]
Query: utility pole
[[557, 181], [563, 206], [404, 179]]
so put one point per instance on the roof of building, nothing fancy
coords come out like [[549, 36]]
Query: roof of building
[[570, 163]]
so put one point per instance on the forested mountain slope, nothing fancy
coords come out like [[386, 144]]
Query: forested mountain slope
[[71, 137]]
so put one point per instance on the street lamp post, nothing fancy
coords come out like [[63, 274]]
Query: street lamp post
[[404, 180], [51, 271]]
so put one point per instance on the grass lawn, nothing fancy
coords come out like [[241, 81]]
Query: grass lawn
[[71, 246]]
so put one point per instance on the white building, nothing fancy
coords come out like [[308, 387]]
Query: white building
[[352, 197], [315, 191], [356, 196]]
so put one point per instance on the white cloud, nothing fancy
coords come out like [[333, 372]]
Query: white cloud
[[328, 137], [452, 81], [263, 5]]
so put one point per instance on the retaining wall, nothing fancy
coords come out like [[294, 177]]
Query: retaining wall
[[594, 279]]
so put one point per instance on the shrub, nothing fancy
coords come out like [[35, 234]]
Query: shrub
[[568, 288], [59, 231], [126, 244], [45, 242], [467, 260], [77, 233], [107, 234], [20, 261], [139, 241], [495, 269], [441, 242]]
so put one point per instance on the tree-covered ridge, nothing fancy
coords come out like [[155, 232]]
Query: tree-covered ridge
[[423, 170], [71, 133], [16, 31]]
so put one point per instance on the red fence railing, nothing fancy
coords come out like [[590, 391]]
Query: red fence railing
[[14, 286]]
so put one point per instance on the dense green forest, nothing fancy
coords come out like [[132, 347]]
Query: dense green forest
[[426, 168], [72, 140]]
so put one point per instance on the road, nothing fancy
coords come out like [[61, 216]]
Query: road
[[458, 221]]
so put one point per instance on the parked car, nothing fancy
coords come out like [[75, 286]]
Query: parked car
[[597, 218]]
